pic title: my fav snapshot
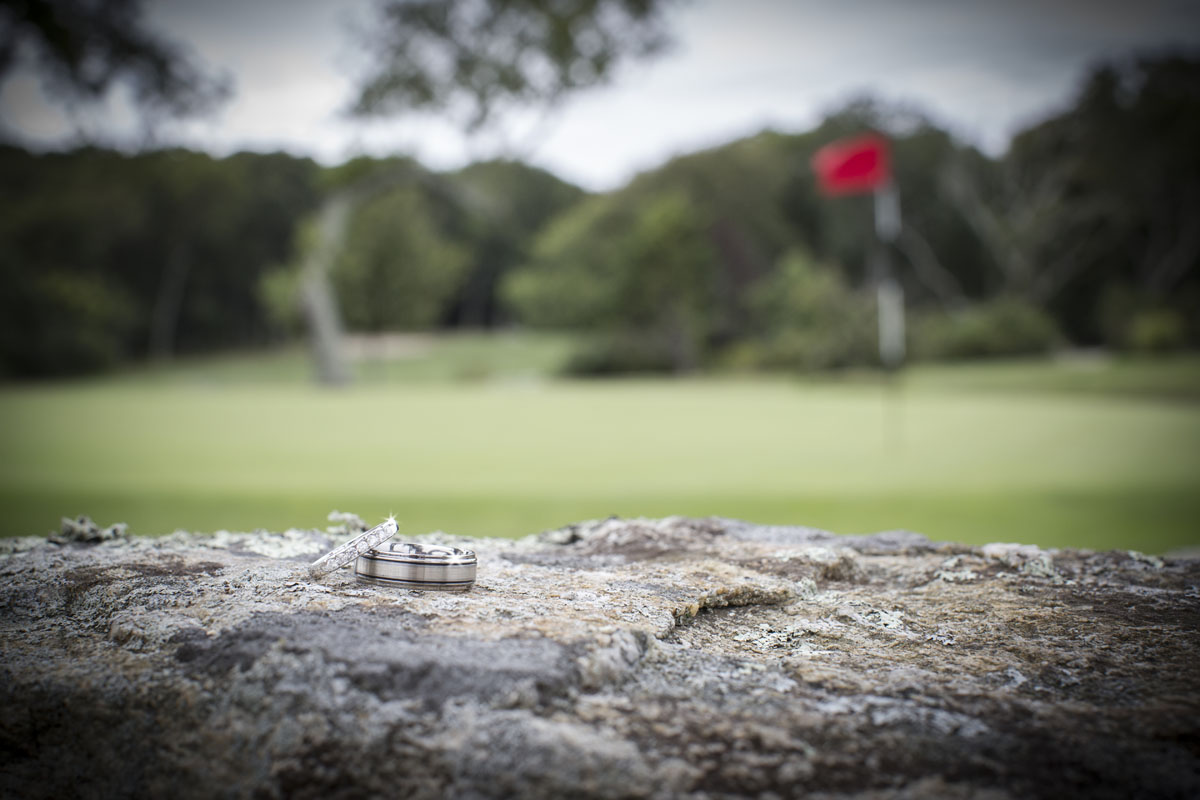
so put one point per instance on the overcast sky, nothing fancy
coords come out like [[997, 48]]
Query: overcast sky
[[984, 69]]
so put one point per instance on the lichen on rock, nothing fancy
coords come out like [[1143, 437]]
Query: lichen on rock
[[82, 529], [617, 658]]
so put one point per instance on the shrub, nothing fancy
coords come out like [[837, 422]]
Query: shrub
[[804, 317], [1156, 330], [1002, 327], [398, 270], [279, 293], [626, 352], [61, 322]]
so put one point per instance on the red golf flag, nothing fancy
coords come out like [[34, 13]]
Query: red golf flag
[[854, 165]]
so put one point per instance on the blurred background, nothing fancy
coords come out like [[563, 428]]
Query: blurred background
[[496, 266]]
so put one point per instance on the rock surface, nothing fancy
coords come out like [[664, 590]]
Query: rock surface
[[622, 658]]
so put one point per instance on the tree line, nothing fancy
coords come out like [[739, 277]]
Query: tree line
[[1085, 232]]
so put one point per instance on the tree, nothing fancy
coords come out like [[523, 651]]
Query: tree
[[504, 204], [806, 318], [81, 48], [397, 269], [1099, 206], [470, 59], [753, 209], [644, 279], [941, 258], [106, 257], [473, 58]]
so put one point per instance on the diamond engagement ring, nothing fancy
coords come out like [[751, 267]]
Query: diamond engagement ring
[[418, 566], [341, 556]]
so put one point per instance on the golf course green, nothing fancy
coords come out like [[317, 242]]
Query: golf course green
[[1045, 453]]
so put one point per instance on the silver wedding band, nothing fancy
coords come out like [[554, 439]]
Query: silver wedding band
[[343, 555], [418, 566]]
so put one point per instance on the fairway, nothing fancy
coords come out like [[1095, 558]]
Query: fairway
[[511, 457]]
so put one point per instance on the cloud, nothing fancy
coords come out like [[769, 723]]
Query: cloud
[[983, 68]]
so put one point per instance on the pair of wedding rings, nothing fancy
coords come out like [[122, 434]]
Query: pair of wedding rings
[[405, 565]]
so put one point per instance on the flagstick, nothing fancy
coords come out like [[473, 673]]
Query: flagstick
[[889, 296], [888, 292], [851, 166]]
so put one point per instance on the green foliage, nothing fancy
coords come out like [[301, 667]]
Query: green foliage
[[954, 264], [804, 317], [996, 257], [279, 292], [505, 204], [1122, 171], [1003, 327], [81, 49], [667, 260], [621, 353], [1089, 220], [1131, 320], [193, 246], [481, 56], [756, 201], [576, 266], [130, 255], [1156, 331], [60, 322], [648, 290], [512, 196], [668, 286], [397, 270]]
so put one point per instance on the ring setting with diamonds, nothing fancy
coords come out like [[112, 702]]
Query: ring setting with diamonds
[[343, 555], [405, 565]]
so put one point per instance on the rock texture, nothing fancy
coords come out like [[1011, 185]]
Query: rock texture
[[622, 658]]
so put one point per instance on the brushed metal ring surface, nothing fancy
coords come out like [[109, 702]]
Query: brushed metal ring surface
[[409, 565]]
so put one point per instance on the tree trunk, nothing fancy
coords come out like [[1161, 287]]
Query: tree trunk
[[317, 295]]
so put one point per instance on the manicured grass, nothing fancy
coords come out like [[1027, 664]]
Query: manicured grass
[[954, 456], [1175, 378], [446, 358]]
